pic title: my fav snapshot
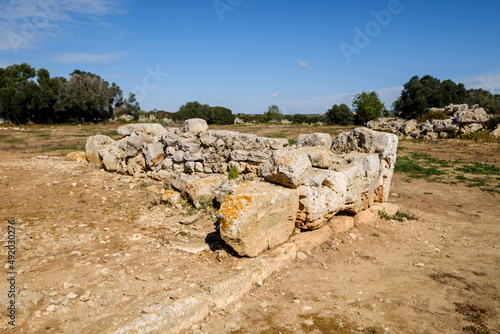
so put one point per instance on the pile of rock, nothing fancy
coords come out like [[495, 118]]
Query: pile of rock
[[281, 186], [463, 120]]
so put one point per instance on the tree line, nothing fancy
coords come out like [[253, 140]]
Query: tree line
[[30, 95]]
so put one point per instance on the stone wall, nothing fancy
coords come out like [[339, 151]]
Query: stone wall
[[280, 186], [462, 120]]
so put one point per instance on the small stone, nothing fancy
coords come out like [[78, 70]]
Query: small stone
[[353, 236], [419, 264], [263, 305], [67, 285], [301, 256], [308, 323], [72, 295], [161, 277], [74, 184], [51, 308], [140, 278], [53, 294]]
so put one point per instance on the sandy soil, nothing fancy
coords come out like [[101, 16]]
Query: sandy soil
[[92, 245]]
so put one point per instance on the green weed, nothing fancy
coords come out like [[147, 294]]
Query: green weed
[[234, 173], [399, 216]]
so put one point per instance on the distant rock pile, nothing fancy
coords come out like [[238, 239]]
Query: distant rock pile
[[462, 120], [279, 187]]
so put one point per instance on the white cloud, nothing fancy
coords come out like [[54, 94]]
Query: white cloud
[[487, 81], [26, 23], [275, 94], [81, 57], [302, 63]]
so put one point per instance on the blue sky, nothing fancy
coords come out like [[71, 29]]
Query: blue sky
[[249, 54]]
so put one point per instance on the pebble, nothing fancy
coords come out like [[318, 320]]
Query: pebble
[[74, 184], [72, 295], [301, 256], [161, 277], [68, 285]]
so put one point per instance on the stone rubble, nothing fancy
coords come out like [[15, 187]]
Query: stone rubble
[[462, 120], [276, 187]]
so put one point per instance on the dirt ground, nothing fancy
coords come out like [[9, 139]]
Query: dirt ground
[[92, 246]]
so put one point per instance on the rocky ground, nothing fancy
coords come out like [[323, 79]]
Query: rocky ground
[[92, 245]]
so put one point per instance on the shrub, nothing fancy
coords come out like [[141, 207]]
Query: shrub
[[234, 173]]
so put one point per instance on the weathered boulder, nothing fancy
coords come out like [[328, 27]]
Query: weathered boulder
[[258, 216], [408, 127], [341, 224], [134, 144], [171, 197], [94, 145], [496, 132], [471, 128], [195, 126], [322, 196], [314, 139], [474, 116], [153, 154], [287, 167], [366, 141], [320, 157], [201, 190], [78, 156], [112, 157], [136, 164], [144, 129], [364, 180], [448, 125]]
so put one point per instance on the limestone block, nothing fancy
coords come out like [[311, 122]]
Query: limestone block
[[258, 216], [341, 224], [146, 129], [364, 217], [136, 164], [78, 156], [475, 116], [447, 125], [171, 197], [112, 157], [471, 128], [287, 167], [153, 154], [199, 189], [195, 126], [496, 132], [94, 145], [133, 144], [315, 139], [322, 196]]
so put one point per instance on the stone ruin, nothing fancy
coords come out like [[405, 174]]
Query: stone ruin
[[280, 186], [462, 120]]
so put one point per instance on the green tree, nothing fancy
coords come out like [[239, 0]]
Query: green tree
[[195, 110], [18, 93], [340, 115], [273, 113], [128, 106], [420, 94], [86, 97], [368, 106], [222, 116]]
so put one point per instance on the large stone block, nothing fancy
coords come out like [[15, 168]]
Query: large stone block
[[322, 196], [314, 139], [258, 216], [201, 190], [94, 145], [154, 154], [146, 129], [287, 167], [195, 126], [112, 157]]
